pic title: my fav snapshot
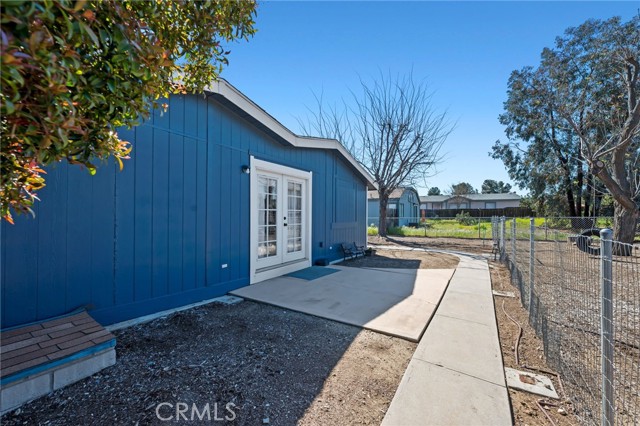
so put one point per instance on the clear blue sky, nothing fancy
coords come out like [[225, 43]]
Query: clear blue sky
[[464, 50]]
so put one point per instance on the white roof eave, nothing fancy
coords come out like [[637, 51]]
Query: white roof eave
[[233, 95]]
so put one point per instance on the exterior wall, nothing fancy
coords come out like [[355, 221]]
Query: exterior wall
[[374, 211], [499, 204], [432, 206], [479, 204], [410, 212], [155, 236], [507, 203]]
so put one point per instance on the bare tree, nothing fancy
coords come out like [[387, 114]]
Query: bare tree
[[391, 127]]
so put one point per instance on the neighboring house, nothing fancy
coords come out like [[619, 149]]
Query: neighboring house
[[218, 195], [403, 207], [468, 202]]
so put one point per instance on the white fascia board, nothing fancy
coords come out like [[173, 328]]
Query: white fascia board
[[233, 95], [307, 142]]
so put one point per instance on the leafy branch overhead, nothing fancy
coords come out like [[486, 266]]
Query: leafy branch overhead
[[75, 71]]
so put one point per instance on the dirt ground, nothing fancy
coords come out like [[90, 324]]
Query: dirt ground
[[276, 366], [404, 259], [453, 244], [530, 354]]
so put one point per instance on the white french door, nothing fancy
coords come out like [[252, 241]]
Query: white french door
[[294, 220], [280, 202]]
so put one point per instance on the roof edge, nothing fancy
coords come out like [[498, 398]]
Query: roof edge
[[239, 99]]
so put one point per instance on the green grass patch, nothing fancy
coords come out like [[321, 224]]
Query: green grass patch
[[451, 228]]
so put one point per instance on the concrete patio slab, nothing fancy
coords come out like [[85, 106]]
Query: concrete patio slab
[[398, 302]]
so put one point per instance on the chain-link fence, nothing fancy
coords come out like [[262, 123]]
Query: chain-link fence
[[463, 226], [582, 291], [466, 226]]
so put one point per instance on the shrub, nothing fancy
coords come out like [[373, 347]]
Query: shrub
[[558, 223], [464, 218], [372, 230]]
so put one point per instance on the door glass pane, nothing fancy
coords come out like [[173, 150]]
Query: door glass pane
[[294, 215], [267, 217]]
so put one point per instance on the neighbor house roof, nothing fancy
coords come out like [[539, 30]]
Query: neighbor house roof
[[434, 198], [472, 197], [247, 108], [396, 193]]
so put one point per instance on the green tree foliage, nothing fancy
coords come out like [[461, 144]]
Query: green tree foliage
[[548, 163], [490, 186], [578, 113], [434, 190], [74, 71], [462, 188]]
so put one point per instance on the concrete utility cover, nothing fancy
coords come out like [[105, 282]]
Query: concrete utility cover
[[398, 302], [504, 293], [529, 382]]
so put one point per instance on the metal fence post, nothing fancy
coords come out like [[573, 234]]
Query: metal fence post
[[532, 255], [606, 324], [502, 225], [513, 241]]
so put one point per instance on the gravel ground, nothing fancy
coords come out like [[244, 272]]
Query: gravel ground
[[276, 366]]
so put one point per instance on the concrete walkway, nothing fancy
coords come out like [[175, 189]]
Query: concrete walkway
[[397, 302], [456, 375]]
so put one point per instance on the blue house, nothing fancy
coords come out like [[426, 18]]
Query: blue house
[[218, 195], [403, 207]]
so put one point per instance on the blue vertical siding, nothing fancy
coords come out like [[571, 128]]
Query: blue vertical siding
[[125, 231], [78, 244], [155, 235], [51, 266]]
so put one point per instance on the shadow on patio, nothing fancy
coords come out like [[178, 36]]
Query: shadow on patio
[[397, 302]]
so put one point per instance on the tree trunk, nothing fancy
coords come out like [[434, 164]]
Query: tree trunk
[[579, 191], [587, 196], [382, 226], [624, 229], [571, 202]]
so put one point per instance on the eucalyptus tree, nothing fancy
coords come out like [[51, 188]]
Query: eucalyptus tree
[[542, 154], [490, 186], [579, 112], [462, 188]]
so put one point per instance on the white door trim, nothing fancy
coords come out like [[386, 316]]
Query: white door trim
[[257, 165]]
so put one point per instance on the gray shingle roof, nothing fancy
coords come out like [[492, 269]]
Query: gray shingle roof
[[434, 198], [397, 193], [473, 197]]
